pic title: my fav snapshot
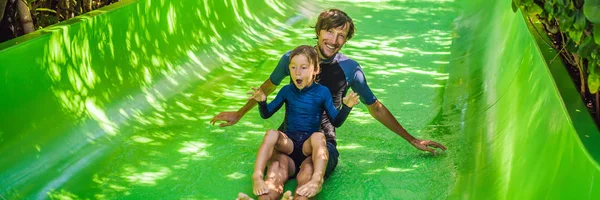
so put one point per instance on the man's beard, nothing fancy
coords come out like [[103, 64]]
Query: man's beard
[[323, 53]]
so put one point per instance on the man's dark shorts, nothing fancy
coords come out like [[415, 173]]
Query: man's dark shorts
[[298, 139]]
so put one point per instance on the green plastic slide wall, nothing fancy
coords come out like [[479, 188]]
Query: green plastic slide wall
[[518, 136]]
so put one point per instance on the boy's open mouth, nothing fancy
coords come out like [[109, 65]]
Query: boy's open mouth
[[298, 81]]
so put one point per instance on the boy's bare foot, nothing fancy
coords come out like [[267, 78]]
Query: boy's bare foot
[[310, 189], [259, 187], [242, 196], [287, 195]]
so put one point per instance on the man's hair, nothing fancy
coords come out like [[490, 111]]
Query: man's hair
[[334, 18], [310, 53]]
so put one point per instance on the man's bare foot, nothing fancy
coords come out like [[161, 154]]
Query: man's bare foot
[[242, 196], [287, 195], [310, 189], [259, 187]]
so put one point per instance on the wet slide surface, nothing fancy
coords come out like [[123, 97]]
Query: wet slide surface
[[108, 108]]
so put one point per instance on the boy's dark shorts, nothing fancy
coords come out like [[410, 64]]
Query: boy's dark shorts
[[298, 139]]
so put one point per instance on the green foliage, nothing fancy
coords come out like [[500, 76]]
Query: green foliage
[[578, 25], [47, 12], [587, 47]]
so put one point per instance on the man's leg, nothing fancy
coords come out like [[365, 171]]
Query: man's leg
[[305, 174], [316, 146], [280, 169], [273, 143]]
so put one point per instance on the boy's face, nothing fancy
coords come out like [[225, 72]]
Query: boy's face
[[301, 71], [331, 41]]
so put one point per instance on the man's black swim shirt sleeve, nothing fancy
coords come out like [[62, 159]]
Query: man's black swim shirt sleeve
[[360, 86], [281, 70]]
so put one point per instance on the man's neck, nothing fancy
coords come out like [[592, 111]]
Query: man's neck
[[324, 60]]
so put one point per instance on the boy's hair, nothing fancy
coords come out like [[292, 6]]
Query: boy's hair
[[310, 53], [334, 18]]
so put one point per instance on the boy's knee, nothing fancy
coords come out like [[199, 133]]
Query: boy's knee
[[318, 138], [272, 135]]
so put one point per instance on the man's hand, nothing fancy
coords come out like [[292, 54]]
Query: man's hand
[[424, 145], [230, 118], [351, 100]]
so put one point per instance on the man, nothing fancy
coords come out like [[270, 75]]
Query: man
[[338, 73]]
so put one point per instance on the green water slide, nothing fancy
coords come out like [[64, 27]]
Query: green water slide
[[115, 104]]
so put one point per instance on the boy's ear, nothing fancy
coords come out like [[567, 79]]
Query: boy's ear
[[315, 72]]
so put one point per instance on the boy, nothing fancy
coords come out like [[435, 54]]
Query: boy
[[305, 101]]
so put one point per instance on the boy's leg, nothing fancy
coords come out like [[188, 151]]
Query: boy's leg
[[316, 148], [273, 140]]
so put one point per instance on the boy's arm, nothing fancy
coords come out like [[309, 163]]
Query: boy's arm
[[233, 117], [337, 118], [267, 110]]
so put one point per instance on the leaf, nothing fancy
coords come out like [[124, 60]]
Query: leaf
[[566, 20], [591, 9], [586, 47], [534, 9], [579, 20], [575, 35], [514, 7], [45, 10]]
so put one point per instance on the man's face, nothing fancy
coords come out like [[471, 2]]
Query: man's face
[[302, 71], [331, 41]]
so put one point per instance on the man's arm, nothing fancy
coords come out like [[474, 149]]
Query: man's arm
[[233, 117], [383, 115]]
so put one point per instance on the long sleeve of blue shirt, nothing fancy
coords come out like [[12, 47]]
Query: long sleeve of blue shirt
[[336, 118], [267, 111], [304, 108]]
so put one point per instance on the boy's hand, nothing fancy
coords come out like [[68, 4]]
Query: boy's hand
[[351, 100], [257, 95]]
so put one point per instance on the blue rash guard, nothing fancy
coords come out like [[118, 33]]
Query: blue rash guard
[[304, 109], [338, 75]]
